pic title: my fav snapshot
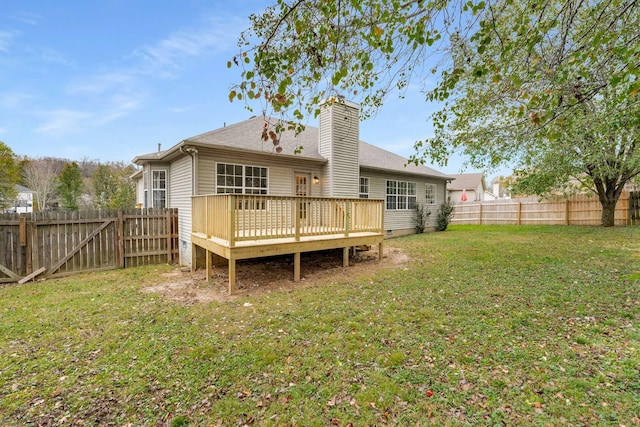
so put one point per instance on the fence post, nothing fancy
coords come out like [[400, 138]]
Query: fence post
[[33, 252], [120, 238], [519, 213], [23, 231], [169, 239], [480, 214], [566, 212], [29, 249]]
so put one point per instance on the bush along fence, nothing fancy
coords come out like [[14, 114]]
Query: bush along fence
[[61, 243], [576, 210]]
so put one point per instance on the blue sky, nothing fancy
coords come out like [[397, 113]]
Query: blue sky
[[109, 80]]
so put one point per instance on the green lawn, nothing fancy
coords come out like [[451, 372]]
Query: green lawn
[[485, 326]]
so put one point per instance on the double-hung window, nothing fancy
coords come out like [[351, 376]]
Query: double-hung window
[[430, 191], [241, 179], [159, 188], [401, 195], [364, 188]]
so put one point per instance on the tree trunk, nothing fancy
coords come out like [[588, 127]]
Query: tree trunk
[[608, 213]]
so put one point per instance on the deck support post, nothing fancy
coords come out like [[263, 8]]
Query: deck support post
[[193, 257], [380, 251], [232, 276], [345, 257], [296, 267], [208, 264]]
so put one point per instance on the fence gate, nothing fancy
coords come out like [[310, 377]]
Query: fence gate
[[61, 243], [634, 208]]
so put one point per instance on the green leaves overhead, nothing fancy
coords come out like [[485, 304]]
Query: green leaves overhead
[[548, 86], [526, 82], [297, 52]]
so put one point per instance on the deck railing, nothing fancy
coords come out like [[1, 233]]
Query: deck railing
[[239, 217]]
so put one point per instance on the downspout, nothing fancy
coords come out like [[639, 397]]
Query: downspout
[[192, 151]]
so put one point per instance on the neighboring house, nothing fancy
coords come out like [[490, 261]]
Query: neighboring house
[[469, 187], [333, 163], [23, 202]]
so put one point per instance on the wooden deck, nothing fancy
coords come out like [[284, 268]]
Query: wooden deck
[[238, 227]]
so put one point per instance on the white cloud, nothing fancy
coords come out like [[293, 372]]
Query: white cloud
[[101, 83], [121, 106], [167, 55], [5, 40], [63, 121], [124, 87], [26, 18], [178, 109], [51, 56], [14, 100]]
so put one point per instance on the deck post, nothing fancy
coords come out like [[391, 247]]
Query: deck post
[[209, 272], [347, 217], [380, 251], [232, 276], [232, 220], [345, 256], [193, 257], [297, 221], [296, 267]]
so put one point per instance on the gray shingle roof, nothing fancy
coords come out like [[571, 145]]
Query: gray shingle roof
[[246, 136], [466, 181]]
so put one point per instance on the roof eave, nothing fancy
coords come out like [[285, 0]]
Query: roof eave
[[246, 151], [415, 173]]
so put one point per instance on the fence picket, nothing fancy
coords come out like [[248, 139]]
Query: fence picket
[[576, 210], [70, 242]]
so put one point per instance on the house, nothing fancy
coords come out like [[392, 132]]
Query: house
[[333, 163], [469, 187], [23, 202]]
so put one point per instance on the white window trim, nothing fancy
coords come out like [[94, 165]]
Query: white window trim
[[244, 170], [426, 193], [165, 189], [368, 185], [407, 197]]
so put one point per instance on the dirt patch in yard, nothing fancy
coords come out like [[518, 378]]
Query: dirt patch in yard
[[273, 274]]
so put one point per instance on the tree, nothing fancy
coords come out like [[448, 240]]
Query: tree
[[113, 187], [549, 86], [70, 185], [552, 87], [9, 175], [41, 176]]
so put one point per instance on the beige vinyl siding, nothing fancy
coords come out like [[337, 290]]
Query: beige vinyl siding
[[180, 197], [281, 170], [339, 142], [404, 219]]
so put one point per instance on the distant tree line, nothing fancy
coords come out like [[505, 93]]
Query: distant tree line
[[65, 184]]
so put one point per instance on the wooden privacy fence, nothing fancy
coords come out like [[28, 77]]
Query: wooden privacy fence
[[577, 210], [62, 243]]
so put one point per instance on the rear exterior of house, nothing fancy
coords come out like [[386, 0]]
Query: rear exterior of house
[[333, 163]]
